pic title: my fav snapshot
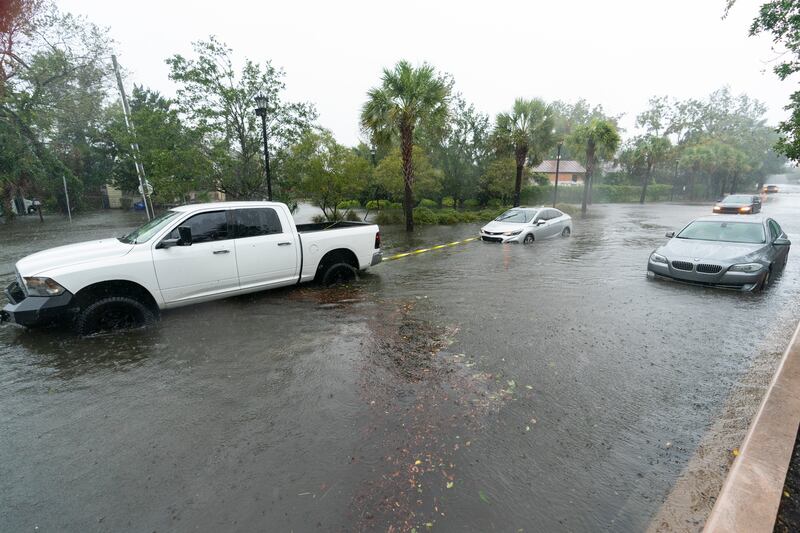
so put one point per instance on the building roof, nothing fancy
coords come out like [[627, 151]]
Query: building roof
[[567, 166]]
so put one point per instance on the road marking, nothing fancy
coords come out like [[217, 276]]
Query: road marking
[[423, 250]]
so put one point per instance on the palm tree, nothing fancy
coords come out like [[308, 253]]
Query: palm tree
[[527, 131], [406, 98], [600, 139]]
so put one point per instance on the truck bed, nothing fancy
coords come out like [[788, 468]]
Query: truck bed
[[323, 226]]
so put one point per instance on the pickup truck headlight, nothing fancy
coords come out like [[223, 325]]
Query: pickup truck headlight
[[658, 258], [746, 267], [510, 233], [43, 287]]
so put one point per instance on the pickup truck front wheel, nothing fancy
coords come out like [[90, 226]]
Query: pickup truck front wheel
[[111, 314]]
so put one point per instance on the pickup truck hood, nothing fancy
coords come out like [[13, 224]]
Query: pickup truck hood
[[72, 254]]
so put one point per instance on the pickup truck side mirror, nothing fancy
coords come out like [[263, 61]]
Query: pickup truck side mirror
[[186, 236], [781, 241], [669, 234]]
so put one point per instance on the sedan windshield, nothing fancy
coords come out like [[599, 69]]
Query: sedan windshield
[[707, 230], [517, 215], [145, 232], [738, 199]]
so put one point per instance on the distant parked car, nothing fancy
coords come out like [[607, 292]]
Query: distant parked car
[[728, 251], [527, 224], [744, 204], [770, 189]]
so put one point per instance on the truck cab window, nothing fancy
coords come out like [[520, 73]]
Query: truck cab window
[[255, 222], [206, 227]]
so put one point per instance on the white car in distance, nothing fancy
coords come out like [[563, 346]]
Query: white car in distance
[[527, 224]]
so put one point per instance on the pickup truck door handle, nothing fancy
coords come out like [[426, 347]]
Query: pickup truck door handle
[[284, 243], [221, 252]]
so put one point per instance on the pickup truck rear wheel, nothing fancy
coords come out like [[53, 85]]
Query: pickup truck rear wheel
[[339, 273], [111, 314]]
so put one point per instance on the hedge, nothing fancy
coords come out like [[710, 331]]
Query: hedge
[[601, 194]]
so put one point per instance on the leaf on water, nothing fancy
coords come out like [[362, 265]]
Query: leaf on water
[[528, 387], [483, 496], [527, 428], [450, 485], [511, 384], [736, 452], [417, 462], [786, 493]]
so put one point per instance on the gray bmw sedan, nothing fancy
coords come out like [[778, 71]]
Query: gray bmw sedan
[[729, 251]]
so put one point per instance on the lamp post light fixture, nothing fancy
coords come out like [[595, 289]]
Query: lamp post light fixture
[[558, 164], [372, 154], [261, 111]]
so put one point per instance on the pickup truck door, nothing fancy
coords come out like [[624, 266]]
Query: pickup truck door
[[267, 250], [205, 268]]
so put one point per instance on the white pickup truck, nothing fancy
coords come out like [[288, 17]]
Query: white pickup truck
[[189, 254]]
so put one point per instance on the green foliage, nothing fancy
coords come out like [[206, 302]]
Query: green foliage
[[377, 205], [448, 201], [326, 172], [497, 182], [431, 204], [348, 204], [389, 175], [388, 217], [218, 102], [471, 203], [423, 215]]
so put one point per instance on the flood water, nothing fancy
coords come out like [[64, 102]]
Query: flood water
[[480, 387]]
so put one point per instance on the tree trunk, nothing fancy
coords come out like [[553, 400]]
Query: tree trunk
[[521, 154], [6, 197], [733, 185], [645, 182], [588, 178], [406, 149], [722, 188]]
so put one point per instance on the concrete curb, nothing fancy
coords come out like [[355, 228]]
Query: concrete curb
[[751, 495]]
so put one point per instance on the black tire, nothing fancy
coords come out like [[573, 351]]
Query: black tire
[[529, 238], [339, 273], [565, 232], [113, 313]]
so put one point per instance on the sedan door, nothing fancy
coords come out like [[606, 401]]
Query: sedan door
[[202, 269], [266, 251], [780, 252]]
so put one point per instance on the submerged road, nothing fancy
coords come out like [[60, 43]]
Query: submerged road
[[478, 387]]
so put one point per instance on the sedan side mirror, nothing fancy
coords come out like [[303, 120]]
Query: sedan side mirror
[[186, 236], [669, 234], [781, 241], [541, 222]]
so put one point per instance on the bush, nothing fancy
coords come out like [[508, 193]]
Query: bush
[[377, 205], [494, 203], [472, 203], [430, 204], [449, 216], [395, 205], [319, 219], [423, 215], [570, 209], [448, 201], [348, 204], [352, 216]]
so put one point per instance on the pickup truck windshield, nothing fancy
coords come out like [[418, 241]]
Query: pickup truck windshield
[[145, 233]]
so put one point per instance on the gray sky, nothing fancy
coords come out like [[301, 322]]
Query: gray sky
[[614, 53]]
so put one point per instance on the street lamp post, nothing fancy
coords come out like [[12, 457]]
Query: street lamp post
[[558, 163], [261, 111]]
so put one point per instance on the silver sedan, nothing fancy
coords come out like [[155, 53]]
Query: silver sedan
[[729, 251]]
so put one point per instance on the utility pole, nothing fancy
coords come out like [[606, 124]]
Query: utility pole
[[261, 111], [134, 145]]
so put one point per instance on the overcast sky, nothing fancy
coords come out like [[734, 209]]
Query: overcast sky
[[614, 53]]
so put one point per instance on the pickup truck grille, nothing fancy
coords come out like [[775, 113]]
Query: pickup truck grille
[[14, 293]]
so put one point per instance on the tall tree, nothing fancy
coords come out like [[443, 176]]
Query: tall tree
[[651, 150], [527, 132], [781, 19], [407, 97], [600, 140], [218, 101]]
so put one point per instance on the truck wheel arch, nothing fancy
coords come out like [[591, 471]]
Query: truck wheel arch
[[333, 258], [105, 289]]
